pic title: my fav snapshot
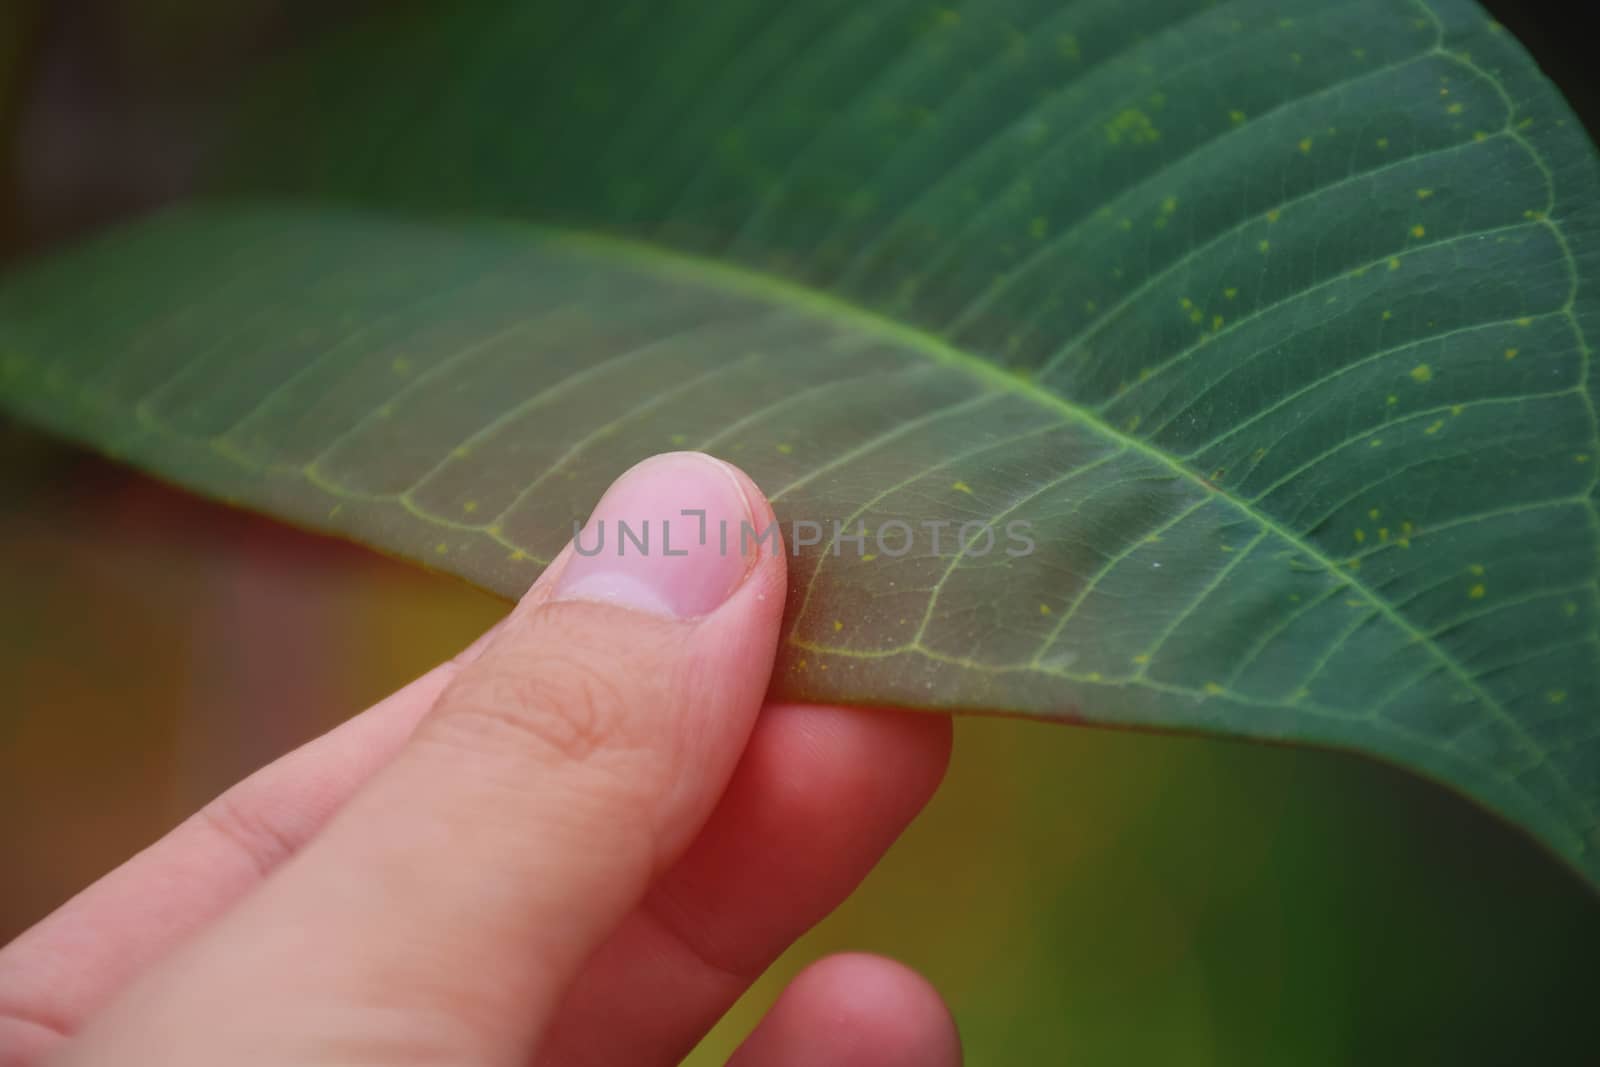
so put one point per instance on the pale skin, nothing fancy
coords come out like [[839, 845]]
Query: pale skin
[[575, 845]]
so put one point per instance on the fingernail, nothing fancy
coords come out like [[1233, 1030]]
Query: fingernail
[[668, 538]]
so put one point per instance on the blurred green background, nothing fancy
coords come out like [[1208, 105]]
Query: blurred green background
[[1080, 896]]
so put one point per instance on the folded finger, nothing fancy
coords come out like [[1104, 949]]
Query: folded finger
[[819, 795]]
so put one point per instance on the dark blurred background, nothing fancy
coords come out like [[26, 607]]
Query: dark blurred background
[[1081, 896]]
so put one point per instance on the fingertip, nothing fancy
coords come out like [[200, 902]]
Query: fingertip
[[855, 1010], [852, 759], [675, 536], [882, 1012]]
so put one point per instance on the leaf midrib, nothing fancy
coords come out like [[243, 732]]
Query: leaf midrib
[[659, 260]]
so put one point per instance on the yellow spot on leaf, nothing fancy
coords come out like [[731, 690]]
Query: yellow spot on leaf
[[1376, 442], [1360, 536], [1067, 45], [1305, 145], [1044, 609], [1394, 262], [1214, 689], [1387, 315], [1236, 116], [401, 366], [1421, 373], [470, 506], [1274, 215], [1569, 609], [837, 625], [1525, 322], [441, 548], [1423, 194], [1434, 427], [1374, 514], [1169, 205], [1038, 227], [1229, 294], [1133, 126], [517, 555], [1142, 658], [1511, 353], [1419, 230], [786, 449], [962, 487], [1393, 400], [1455, 109], [1477, 591], [1264, 246], [679, 439], [1383, 142], [1556, 696]]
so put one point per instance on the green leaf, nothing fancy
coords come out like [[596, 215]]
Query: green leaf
[[1271, 319]]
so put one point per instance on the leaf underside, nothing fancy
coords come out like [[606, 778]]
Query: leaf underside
[[1272, 320]]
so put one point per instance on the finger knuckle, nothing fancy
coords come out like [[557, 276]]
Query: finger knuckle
[[562, 709], [251, 830]]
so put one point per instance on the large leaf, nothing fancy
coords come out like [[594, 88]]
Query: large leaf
[[1271, 318]]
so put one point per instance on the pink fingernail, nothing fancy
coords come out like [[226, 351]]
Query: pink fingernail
[[674, 536]]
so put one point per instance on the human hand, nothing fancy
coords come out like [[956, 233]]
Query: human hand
[[577, 843]]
